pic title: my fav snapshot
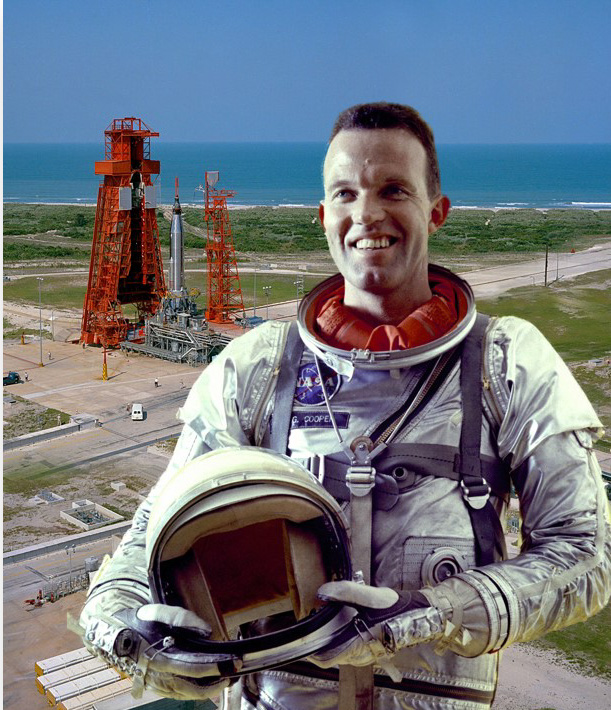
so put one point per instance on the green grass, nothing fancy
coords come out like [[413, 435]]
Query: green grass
[[282, 285], [11, 332], [27, 251], [288, 230], [587, 645], [28, 480], [481, 231], [64, 291], [59, 291], [574, 317], [70, 221], [128, 514], [283, 230], [31, 417]]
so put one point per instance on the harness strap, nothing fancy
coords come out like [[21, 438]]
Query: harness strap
[[399, 467], [356, 683], [476, 491]]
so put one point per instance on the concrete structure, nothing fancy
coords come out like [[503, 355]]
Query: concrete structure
[[77, 423], [88, 515]]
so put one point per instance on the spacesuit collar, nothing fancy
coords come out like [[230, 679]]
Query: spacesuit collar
[[345, 361]]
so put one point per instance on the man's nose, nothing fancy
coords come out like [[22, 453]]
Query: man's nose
[[368, 210]]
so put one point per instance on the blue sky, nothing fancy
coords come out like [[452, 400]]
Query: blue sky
[[525, 71]]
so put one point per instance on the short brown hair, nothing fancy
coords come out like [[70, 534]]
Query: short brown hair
[[386, 115]]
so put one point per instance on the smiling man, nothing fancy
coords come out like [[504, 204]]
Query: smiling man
[[378, 213], [418, 416]]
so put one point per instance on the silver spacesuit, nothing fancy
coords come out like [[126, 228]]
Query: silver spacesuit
[[537, 421]]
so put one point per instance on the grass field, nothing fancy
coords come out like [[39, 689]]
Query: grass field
[[289, 230], [573, 315], [586, 645], [68, 291]]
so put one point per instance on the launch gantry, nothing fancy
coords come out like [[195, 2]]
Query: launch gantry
[[224, 294], [126, 264]]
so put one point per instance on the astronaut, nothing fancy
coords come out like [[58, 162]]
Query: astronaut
[[418, 415]]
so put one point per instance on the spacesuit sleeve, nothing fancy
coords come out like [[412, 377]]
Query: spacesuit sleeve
[[563, 572], [223, 408]]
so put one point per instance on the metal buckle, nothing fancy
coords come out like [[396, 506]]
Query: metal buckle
[[360, 479], [361, 475], [476, 501]]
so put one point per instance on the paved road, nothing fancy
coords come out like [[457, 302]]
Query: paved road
[[494, 280], [22, 580]]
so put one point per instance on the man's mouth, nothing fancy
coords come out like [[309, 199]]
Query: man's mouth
[[369, 243]]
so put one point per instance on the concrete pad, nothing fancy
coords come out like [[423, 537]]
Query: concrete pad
[[72, 380]]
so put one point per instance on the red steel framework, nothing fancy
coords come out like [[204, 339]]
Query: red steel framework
[[126, 265], [224, 294]]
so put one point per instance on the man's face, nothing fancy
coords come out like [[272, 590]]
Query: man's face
[[377, 214]]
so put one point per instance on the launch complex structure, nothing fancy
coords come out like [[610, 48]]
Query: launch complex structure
[[127, 268]]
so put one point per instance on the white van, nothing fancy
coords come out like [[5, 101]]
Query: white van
[[137, 412]]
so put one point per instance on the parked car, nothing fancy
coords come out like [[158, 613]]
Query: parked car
[[11, 378]]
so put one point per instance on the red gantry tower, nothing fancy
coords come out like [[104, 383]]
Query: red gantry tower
[[126, 264], [224, 294]]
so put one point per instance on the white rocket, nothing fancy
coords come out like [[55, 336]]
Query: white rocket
[[177, 270]]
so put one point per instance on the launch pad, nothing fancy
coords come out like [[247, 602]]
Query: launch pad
[[126, 264]]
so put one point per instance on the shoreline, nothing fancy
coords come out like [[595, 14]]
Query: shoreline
[[575, 207]]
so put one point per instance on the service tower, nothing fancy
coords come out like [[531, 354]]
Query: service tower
[[126, 264]]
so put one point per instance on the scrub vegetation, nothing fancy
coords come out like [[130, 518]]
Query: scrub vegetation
[[27, 251], [25, 417], [573, 316], [12, 332], [285, 230], [480, 231]]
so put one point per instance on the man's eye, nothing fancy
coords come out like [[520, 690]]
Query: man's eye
[[343, 194], [394, 192]]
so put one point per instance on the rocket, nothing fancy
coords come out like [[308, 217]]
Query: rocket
[[177, 274]]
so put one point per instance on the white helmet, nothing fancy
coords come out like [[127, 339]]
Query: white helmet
[[244, 535]]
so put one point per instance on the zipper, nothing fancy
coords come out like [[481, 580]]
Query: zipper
[[264, 399], [487, 380]]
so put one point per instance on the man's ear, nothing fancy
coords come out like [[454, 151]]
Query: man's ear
[[439, 213], [321, 213]]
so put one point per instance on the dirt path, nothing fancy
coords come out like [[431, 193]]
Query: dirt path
[[534, 678]]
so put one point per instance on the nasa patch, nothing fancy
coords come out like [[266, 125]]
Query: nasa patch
[[308, 390]]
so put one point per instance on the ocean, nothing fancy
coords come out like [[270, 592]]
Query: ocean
[[502, 176]]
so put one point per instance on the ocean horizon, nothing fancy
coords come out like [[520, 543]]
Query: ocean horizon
[[509, 176]]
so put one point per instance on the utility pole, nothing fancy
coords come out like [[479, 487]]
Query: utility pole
[[40, 280], [546, 255], [70, 550], [254, 294], [266, 290], [299, 285]]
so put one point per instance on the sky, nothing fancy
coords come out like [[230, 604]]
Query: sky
[[509, 71]]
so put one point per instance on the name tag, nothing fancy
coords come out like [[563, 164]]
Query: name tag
[[319, 420]]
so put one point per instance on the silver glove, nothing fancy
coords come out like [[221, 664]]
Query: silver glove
[[386, 623], [110, 626]]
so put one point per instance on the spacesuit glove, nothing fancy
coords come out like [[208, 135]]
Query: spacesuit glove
[[387, 621], [138, 641]]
